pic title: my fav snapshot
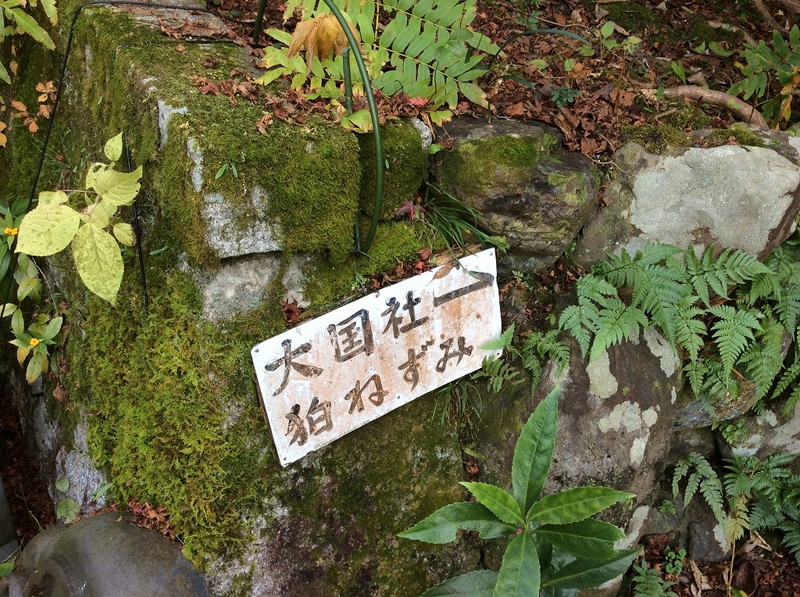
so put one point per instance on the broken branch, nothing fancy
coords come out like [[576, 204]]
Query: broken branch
[[720, 99]]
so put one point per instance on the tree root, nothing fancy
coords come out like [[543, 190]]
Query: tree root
[[739, 108]]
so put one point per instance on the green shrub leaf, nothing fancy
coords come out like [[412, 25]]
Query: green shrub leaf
[[47, 229], [591, 539], [68, 509], [441, 526], [520, 575], [98, 260], [29, 25], [582, 574], [474, 584], [499, 501], [574, 505], [123, 232], [534, 451], [113, 148]]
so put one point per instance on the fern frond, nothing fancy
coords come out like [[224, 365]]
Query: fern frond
[[791, 538], [788, 306], [702, 477], [733, 330], [730, 267], [764, 357], [583, 320], [617, 323], [738, 521], [764, 516], [696, 373], [538, 348], [689, 328]]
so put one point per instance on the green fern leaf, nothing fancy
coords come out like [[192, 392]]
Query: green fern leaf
[[617, 323], [764, 357], [689, 328], [732, 331]]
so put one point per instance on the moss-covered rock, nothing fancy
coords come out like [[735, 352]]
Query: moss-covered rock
[[527, 187], [407, 166], [166, 386]]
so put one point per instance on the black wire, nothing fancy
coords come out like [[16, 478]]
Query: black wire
[[60, 88], [137, 228]]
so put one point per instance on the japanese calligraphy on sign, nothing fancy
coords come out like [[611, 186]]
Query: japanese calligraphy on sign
[[334, 374]]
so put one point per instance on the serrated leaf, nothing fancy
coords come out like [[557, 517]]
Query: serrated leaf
[[574, 505], [520, 574], [583, 574], [53, 198], [50, 10], [534, 452], [113, 148], [68, 509], [62, 484], [499, 501], [479, 583], [590, 539], [98, 261], [118, 188], [124, 234], [441, 526], [47, 229], [99, 216]]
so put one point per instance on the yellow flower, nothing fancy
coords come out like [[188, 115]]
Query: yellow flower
[[33, 342], [11, 231]]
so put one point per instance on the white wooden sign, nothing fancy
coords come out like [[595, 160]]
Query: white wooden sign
[[333, 374]]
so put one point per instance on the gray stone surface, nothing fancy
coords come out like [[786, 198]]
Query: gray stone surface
[[615, 422], [740, 197], [233, 230], [770, 432], [8, 536], [105, 555], [528, 187]]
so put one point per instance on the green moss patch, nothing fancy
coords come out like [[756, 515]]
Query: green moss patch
[[479, 164], [407, 166]]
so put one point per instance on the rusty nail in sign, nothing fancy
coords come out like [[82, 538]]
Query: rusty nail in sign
[[329, 376]]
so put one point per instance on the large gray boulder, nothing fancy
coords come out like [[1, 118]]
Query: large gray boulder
[[615, 420], [103, 555], [742, 197], [528, 187]]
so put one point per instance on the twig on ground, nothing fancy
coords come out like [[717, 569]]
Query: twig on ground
[[728, 27], [759, 4], [720, 99]]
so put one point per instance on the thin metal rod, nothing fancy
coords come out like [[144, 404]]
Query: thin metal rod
[[348, 81], [377, 207], [137, 228]]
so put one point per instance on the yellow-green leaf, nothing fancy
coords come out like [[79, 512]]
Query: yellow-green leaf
[[361, 121], [29, 25], [118, 188], [52, 198], [98, 260], [4, 75], [113, 148], [8, 309], [50, 10], [35, 367], [47, 229], [124, 234], [22, 353], [98, 216]]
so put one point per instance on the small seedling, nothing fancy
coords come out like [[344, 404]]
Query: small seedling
[[224, 168]]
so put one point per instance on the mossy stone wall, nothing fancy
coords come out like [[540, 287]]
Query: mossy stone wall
[[169, 395]]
